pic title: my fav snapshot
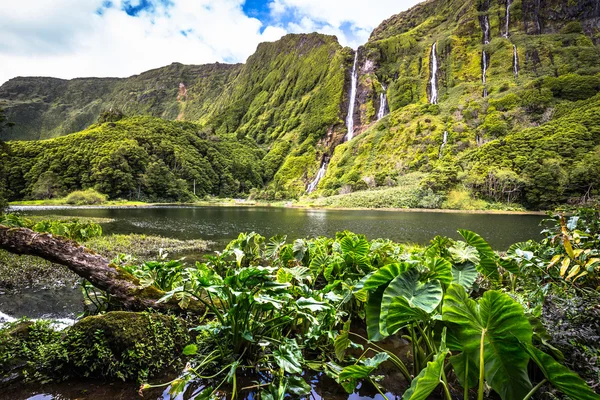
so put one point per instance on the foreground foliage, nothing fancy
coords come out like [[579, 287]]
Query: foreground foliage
[[282, 311]]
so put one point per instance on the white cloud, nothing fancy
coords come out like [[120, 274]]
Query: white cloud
[[68, 38], [352, 21]]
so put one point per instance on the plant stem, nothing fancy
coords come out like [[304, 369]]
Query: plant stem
[[481, 366], [535, 389], [446, 391], [377, 387]]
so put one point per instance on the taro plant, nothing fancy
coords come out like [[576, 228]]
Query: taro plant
[[491, 340]]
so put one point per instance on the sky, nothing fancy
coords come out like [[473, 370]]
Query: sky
[[82, 38]]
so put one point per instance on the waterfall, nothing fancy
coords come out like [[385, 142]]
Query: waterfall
[[484, 67], [515, 62], [313, 185], [350, 117], [434, 70], [6, 318], [486, 29], [382, 103], [508, 3], [444, 141]]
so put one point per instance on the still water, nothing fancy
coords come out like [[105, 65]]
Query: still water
[[222, 224]]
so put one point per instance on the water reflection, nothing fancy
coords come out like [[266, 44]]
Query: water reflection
[[222, 224]]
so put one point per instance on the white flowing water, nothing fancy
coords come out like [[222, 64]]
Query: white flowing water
[[354, 83], [433, 80], [486, 30], [444, 141], [382, 103], [515, 62], [484, 67], [313, 185], [58, 323], [507, 25]]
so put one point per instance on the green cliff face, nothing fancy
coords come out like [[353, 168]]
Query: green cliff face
[[534, 74], [517, 133]]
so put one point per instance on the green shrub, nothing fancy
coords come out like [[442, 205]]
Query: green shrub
[[85, 197]]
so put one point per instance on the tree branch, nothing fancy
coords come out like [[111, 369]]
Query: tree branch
[[122, 286]]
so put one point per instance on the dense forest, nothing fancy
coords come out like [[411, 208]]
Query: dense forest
[[482, 100]]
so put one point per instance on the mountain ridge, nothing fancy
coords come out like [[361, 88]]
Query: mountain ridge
[[494, 77]]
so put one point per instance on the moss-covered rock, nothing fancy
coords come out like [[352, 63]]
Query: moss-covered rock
[[126, 345]]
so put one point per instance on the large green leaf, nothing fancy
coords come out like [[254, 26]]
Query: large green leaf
[[461, 252], [384, 275], [428, 379], [373, 314], [289, 357], [466, 368], [439, 269], [501, 323], [400, 314], [426, 296], [359, 247], [488, 260], [464, 274], [351, 374], [560, 376]]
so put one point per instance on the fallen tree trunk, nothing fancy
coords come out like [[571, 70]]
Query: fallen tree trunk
[[121, 285]]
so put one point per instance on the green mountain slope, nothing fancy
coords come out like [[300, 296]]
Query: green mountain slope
[[516, 84], [143, 158], [554, 68], [43, 108]]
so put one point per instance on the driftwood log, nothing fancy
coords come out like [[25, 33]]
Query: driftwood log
[[123, 287]]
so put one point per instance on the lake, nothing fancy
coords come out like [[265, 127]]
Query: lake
[[222, 224]]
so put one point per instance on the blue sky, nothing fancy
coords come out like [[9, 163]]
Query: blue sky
[[74, 38]]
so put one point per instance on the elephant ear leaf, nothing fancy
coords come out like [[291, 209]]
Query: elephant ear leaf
[[439, 269], [488, 260], [373, 315], [560, 376], [383, 275], [400, 314], [498, 323], [464, 274], [428, 379], [426, 296]]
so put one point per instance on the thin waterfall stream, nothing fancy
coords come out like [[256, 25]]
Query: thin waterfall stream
[[486, 29], [313, 185], [515, 62], [434, 69], [507, 24], [352, 100], [383, 108], [484, 68], [444, 142]]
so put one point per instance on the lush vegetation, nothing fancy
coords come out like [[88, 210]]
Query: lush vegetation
[[475, 320], [139, 158]]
